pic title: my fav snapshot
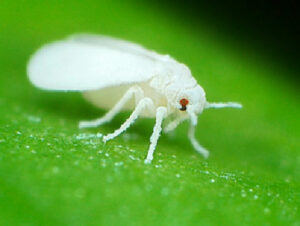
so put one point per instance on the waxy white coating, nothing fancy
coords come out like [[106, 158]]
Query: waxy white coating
[[118, 75]]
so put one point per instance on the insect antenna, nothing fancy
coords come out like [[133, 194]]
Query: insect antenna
[[223, 105]]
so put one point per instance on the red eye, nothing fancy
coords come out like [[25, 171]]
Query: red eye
[[183, 102]]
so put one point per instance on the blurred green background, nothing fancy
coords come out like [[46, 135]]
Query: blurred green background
[[52, 173]]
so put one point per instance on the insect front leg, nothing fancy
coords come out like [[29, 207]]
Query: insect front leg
[[195, 143], [142, 105], [161, 113], [134, 91], [173, 124]]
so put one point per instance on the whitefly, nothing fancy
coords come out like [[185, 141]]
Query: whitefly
[[118, 75]]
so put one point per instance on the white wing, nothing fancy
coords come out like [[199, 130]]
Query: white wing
[[118, 44], [89, 62]]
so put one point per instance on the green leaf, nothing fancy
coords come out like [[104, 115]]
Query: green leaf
[[53, 173]]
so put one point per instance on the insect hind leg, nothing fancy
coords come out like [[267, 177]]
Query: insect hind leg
[[134, 91], [142, 105]]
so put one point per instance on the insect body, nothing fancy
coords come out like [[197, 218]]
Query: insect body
[[118, 75]]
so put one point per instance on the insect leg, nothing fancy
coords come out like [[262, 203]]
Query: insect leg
[[173, 124], [195, 143], [160, 115], [133, 91], [144, 103]]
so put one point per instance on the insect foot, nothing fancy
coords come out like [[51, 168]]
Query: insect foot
[[148, 161], [105, 139], [86, 124]]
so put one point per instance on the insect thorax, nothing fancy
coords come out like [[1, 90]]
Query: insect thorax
[[172, 84]]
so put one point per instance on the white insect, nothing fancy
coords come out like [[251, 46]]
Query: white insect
[[115, 74]]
